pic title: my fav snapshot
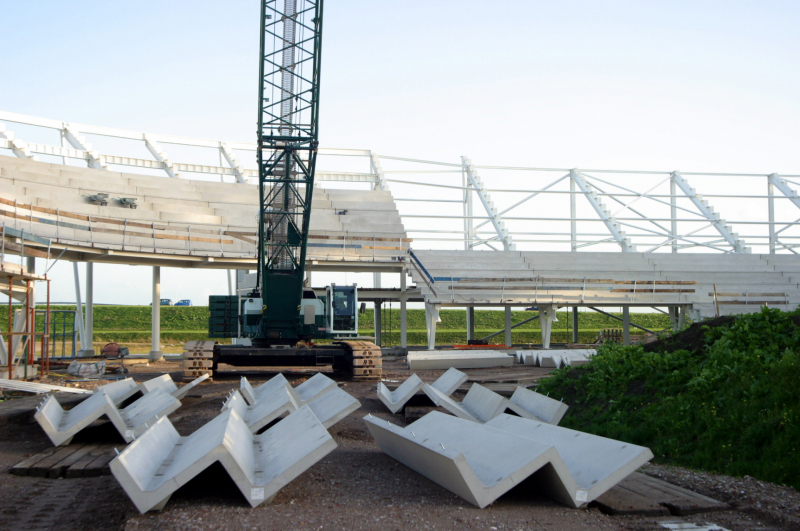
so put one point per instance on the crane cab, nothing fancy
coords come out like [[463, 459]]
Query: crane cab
[[342, 314]]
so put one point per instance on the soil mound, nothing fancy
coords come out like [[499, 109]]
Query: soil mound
[[692, 339]]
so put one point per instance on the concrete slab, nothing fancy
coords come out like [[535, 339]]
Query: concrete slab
[[535, 406], [480, 405], [550, 361], [122, 390], [459, 359], [61, 426], [449, 381], [333, 405], [473, 461], [253, 395], [302, 394], [161, 461], [595, 463], [314, 387], [266, 410]]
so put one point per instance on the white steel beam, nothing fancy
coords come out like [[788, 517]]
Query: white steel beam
[[475, 182], [78, 141], [161, 157], [785, 189], [611, 224], [702, 205], [231, 158], [377, 172], [19, 148]]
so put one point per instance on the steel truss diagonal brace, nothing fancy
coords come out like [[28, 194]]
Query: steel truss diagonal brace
[[160, 156], [233, 161], [19, 148], [377, 171], [78, 141], [611, 224], [475, 182], [702, 205], [785, 189]]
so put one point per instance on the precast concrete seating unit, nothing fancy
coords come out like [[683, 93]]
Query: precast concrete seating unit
[[303, 393], [159, 462], [480, 405], [61, 426], [595, 463], [395, 400], [536, 406], [459, 359], [263, 412], [122, 390], [329, 407], [473, 461]]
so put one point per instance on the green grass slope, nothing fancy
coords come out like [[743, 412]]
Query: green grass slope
[[728, 401]]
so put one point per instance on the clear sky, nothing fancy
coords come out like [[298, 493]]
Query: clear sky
[[695, 85]]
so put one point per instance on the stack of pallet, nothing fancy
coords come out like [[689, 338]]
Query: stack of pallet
[[364, 358], [197, 359]]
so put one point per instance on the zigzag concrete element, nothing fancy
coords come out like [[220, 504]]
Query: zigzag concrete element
[[271, 407], [473, 359], [303, 393], [549, 360], [61, 426], [535, 406], [395, 400], [475, 462], [333, 406], [480, 405], [595, 463], [122, 390], [161, 461]]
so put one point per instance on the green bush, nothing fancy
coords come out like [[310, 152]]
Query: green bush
[[734, 408]]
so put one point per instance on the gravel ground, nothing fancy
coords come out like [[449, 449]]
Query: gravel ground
[[354, 487]]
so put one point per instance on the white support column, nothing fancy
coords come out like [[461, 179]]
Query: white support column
[[673, 317], [681, 317], [771, 207], [575, 335], [626, 325], [573, 213], [470, 323], [508, 326], [155, 347], [494, 217], [547, 313], [403, 311], [610, 222], [673, 212], [702, 205], [160, 156], [85, 348], [377, 322], [431, 318], [89, 319], [230, 157], [78, 141], [230, 284]]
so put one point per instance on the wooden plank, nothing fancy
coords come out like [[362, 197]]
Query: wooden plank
[[367, 362], [42, 468], [100, 467], [622, 501], [21, 469], [679, 501], [197, 364], [59, 469], [81, 466]]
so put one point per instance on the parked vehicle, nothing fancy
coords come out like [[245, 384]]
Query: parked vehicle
[[166, 302], [183, 302]]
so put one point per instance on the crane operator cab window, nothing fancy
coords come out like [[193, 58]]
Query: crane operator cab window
[[343, 316]]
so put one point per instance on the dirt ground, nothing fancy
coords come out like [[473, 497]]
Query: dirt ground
[[355, 487]]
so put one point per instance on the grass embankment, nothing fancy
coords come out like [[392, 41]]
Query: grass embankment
[[722, 396], [131, 324]]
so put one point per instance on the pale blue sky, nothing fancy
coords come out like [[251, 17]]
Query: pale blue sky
[[696, 85]]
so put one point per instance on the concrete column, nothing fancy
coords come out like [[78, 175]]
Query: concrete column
[[89, 319], [377, 323], [155, 347], [546, 315], [575, 335], [230, 283], [508, 326], [626, 325], [403, 312], [470, 323], [431, 318], [85, 347], [681, 316]]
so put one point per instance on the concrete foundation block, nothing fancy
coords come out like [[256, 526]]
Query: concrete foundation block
[[302, 394], [449, 381], [536, 406], [395, 400], [595, 463], [459, 359], [473, 461], [551, 361], [159, 462], [122, 390], [61, 426]]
